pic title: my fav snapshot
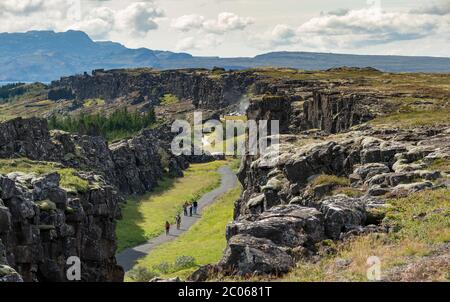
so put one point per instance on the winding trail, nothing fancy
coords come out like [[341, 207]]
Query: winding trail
[[128, 257]]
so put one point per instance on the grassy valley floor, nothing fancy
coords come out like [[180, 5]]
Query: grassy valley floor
[[144, 217], [203, 243]]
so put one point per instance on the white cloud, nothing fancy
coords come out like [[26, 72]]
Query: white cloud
[[283, 34], [139, 17], [188, 22], [225, 22], [355, 28], [373, 22], [98, 23], [20, 6], [24, 15], [441, 8]]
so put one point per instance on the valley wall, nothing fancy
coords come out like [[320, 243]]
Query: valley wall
[[205, 90]]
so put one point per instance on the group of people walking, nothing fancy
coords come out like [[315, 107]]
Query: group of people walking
[[189, 209]]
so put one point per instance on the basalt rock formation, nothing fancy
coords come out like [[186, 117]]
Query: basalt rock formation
[[205, 90], [334, 112], [43, 225], [315, 186], [132, 165]]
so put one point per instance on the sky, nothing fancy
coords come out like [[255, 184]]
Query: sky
[[232, 28]]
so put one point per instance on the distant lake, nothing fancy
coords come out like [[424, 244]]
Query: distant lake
[[15, 82]]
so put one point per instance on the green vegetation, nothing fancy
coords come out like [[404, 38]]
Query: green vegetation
[[144, 217], [168, 99], [69, 178], [202, 244], [46, 205], [441, 164], [423, 227], [330, 179], [37, 104], [415, 118], [93, 102], [71, 181], [119, 124], [349, 191], [141, 274]]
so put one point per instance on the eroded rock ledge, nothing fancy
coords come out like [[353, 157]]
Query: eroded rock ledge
[[324, 186], [43, 224], [132, 165], [205, 90]]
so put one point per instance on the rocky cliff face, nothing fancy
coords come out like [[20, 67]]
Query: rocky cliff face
[[334, 112], [132, 165], [270, 108], [205, 90], [42, 225], [321, 186], [301, 105]]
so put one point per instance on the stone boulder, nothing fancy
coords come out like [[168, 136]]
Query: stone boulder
[[361, 173], [203, 273], [248, 255], [175, 170], [327, 158], [342, 214], [270, 243]]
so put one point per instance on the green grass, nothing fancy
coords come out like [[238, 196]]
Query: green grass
[[330, 179], [144, 217], [349, 191], [46, 205], [69, 179], [441, 164], [205, 240], [93, 102], [169, 99], [414, 118]]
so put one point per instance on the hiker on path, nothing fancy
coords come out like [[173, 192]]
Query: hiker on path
[[167, 228], [190, 210], [185, 208], [178, 219], [195, 204]]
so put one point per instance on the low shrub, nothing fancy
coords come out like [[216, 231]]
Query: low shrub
[[163, 267], [184, 262], [141, 274]]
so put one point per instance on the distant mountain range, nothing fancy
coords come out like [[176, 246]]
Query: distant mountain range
[[45, 56]]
